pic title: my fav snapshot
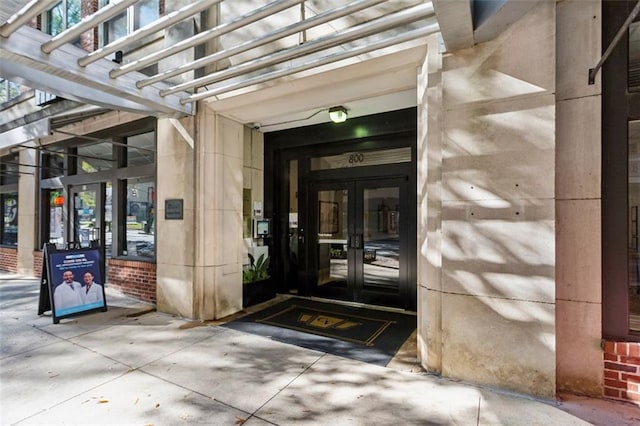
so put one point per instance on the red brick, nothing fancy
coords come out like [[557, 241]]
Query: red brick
[[622, 348], [615, 375], [634, 350], [609, 347], [610, 357], [630, 360], [615, 384], [613, 393], [620, 367]]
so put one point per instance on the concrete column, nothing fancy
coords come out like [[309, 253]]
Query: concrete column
[[219, 244], [578, 199], [175, 245], [430, 209], [497, 279], [27, 196]]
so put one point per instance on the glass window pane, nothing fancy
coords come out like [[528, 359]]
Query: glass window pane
[[94, 158], [74, 12], [146, 11], [10, 219], [117, 27], [332, 237], [141, 149], [9, 169], [56, 217], [108, 219], [55, 19], [140, 218], [52, 163], [362, 158]]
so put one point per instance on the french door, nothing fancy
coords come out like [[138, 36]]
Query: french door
[[358, 247], [87, 206]]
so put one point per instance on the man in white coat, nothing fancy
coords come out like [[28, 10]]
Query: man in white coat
[[68, 293], [91, 292]]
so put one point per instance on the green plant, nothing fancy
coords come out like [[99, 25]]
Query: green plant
[[257, 269]]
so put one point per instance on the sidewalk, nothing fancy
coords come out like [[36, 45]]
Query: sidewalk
[[132, 365]]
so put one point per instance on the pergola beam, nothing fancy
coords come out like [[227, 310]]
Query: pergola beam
[[58, 73]]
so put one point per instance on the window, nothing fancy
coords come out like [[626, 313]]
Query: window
[[63, 15], [9, 219], [94, 158], [141, 149], [140, 218], [135, 17], [8, 90], [9, 174]]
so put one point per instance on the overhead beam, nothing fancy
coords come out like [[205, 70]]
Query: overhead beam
[[492, 18], [456, 23], [58, 73]]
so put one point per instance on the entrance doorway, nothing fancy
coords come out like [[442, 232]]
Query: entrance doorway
[[342, 199], [358, 246]]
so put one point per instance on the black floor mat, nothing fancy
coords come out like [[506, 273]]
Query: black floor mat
[[364, 334]]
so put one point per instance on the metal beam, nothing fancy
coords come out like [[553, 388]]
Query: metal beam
[[23, 61], [241, 21], [350, 34], [160, 24], [428, 29], [25, 15], [316, 20], [88, 23]]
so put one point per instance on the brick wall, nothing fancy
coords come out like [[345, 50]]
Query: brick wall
[[622, 371], [136, 279], [9, 259], [37, 263]]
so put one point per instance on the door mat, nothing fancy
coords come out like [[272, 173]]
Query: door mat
[[363, 334]]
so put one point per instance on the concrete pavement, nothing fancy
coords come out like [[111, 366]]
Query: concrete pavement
[[132, 365]]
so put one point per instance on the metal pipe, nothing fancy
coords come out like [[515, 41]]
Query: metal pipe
[[408, 36], [316, 20], [88, 23], [200, 38], [350, 34], [162, 23], [24, 15]]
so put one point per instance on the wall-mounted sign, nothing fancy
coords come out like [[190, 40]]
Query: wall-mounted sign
[[173, 209]]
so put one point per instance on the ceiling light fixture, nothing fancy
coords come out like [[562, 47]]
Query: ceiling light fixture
[[338, 114]]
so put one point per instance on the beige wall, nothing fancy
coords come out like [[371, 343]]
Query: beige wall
[[27, 207], [578, 199], [491, 305], [199, 259]]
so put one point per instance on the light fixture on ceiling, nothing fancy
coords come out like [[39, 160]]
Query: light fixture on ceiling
[[338, 114]]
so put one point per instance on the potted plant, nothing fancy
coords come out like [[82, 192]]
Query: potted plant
[[257, 286]]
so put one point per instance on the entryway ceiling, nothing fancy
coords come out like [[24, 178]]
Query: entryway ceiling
[[275, 65]]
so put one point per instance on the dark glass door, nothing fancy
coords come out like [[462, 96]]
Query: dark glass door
[[359, 246], [87, 217]]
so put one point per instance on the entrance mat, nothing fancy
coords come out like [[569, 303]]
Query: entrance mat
[[363, 334]]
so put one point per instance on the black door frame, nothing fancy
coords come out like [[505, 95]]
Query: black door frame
[[389, 130], [356, 290]]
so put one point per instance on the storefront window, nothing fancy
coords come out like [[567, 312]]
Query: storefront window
[[140, 218], [52, 163], [9, 219], [94, 158], [141, 149], [56, 217]]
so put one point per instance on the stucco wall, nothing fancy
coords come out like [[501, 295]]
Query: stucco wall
[[492, 307]]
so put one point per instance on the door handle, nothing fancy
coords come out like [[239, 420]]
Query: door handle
[[355, 241]]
